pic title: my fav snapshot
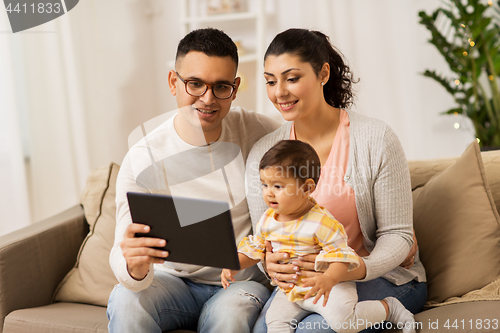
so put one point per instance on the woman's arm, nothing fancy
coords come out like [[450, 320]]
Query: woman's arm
[[388, 220]]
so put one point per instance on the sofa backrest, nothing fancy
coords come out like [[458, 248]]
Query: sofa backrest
[[423, 170], [456, 222]]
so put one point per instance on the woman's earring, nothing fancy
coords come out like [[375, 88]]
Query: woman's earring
[[322, 83]]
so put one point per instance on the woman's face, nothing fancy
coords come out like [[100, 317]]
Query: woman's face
[[293, 86]]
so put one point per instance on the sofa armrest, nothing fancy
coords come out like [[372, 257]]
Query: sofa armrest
[[35, 259]]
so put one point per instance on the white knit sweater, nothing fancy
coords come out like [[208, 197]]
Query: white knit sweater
[[378, 173], [188, 177]]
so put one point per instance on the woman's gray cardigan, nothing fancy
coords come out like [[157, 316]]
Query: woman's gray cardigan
[[378, 173]]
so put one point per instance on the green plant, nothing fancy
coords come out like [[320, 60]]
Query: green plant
[[471, 49]]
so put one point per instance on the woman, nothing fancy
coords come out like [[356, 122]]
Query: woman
[[364, 183]]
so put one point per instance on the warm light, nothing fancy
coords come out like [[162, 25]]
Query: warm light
[[455, 113], [490, 3], [463, 25], [457, 82], [456, 125], [472, 44], [465, 53], [491, 77], [478, 140]]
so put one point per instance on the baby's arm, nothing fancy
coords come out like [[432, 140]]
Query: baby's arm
[[322, 284], [228, 274]]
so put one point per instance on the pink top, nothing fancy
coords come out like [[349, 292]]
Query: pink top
[[333, 193]]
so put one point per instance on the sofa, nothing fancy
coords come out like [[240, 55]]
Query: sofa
[[55, 275]]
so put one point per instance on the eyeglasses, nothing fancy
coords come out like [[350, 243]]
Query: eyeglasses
[[198, 88]]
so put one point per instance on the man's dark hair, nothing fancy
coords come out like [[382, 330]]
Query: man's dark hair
[[298, 159], [211, 41]]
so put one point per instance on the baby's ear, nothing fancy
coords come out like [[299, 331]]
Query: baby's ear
[[309, 186]]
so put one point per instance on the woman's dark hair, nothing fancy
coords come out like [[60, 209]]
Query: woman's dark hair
[[315, 48], [294, 158], [211, 41]]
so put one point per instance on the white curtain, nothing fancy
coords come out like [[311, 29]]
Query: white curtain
[[14, 201], [46, 121], [73, 89]]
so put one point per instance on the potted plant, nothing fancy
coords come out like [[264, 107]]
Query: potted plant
[[471, 49]]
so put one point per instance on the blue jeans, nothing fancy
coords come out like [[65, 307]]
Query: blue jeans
[[174, 303], [413, 295]]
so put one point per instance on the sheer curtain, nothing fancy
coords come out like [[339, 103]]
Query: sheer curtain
[[43, 146], [14, 201]]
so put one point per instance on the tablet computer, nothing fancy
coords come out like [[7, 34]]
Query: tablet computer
[[198, 232]]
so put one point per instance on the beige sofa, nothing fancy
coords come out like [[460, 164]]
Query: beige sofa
[[456, 222]]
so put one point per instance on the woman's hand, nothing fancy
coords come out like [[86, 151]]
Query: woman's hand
[[306, 265], [281, 274], [285, 275], [410, 259]]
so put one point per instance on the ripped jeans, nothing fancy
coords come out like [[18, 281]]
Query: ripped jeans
[[175, 303]]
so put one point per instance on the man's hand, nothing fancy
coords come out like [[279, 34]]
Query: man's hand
[[138, 252], [321, 286], [227, 274], [410, 258]]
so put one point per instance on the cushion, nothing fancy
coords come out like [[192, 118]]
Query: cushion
[[92, 280], [475, 317], [58, 318], [423, 170], [491, 160], [458, 228]]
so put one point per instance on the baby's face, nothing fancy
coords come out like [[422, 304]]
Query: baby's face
[[285, 195]]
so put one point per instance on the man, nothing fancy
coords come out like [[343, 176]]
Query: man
[[191, 154]]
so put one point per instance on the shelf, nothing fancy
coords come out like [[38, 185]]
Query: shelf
[[222, 17], [247, 28]]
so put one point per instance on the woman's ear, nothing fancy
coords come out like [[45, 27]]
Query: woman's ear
[[324, 73], [309, 186]]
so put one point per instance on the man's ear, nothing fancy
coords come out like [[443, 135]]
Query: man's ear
[[172, 82], [237, 82], [309, 186]]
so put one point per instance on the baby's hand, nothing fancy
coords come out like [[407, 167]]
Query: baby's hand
[[321, 286], [226, 275]]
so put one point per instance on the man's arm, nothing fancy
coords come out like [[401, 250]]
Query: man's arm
[[131, 259]]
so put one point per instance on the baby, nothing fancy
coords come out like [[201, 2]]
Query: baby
[[297, 225]]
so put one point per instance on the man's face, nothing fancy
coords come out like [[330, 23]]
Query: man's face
[[207, 110]]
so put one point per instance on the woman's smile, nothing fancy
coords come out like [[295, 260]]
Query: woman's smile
[[287, 106]]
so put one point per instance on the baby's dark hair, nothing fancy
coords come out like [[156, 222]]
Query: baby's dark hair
[[315, 48], [213, 42], [298, 159]]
